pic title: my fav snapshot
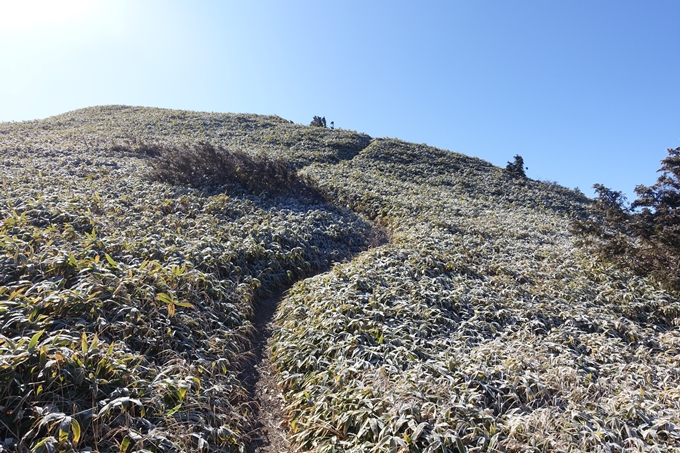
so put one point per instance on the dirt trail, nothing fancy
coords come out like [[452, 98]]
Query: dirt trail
[[271, 430], [259, 375]]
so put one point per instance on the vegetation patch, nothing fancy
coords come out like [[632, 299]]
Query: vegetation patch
[[126, 303], [210, 168], [643, 236], [480, 327]]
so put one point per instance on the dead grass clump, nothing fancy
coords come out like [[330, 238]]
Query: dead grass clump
[[205, 166], [135, 146]]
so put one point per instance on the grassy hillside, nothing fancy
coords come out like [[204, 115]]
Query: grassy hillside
[[126, 305]]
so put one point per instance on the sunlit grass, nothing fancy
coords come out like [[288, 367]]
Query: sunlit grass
[[126, 304]]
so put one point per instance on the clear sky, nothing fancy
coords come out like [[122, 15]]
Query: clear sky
[[585, 91]]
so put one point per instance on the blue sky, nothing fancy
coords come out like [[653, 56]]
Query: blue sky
[[585, 91]]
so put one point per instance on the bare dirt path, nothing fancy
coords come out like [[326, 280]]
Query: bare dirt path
[[270, 434], [271, 430]]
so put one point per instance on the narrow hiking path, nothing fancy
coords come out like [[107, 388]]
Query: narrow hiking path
[[271, 432]]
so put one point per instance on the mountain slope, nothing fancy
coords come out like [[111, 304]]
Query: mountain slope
[[126, 305], [480, 326]]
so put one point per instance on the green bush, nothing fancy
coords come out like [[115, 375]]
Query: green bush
[[318, 121], [516, 168], [644, 235]]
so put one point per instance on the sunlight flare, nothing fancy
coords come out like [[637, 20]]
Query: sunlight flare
[[29, 14]]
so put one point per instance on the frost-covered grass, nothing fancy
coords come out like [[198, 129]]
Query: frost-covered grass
[[480, 327], [126, 304]]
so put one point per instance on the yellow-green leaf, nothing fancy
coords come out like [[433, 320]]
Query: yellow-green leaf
[[34, 339], [166, 298], [125, 444], [111, 261], [75, 429], [183, 303], [83, 343], [64, 428]]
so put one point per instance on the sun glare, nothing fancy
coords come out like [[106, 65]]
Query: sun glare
[[27, 15]]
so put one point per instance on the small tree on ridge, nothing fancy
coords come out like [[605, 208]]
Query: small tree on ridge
[[318, 121], [517, 168]]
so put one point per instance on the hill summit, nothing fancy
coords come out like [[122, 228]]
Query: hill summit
[[431, 301]]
